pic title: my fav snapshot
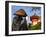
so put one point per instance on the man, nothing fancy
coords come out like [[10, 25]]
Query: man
[[19, 21]]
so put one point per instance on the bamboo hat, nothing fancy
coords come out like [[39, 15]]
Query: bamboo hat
[[21, 12]]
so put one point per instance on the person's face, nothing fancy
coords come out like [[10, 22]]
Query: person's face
[[34, 20]]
